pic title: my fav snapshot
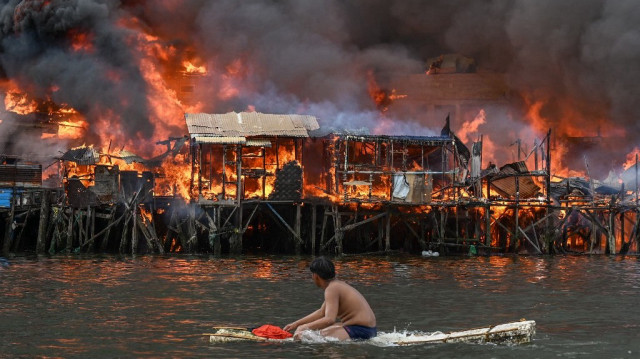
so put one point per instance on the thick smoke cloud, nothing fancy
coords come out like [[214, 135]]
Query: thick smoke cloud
[[315, 56], [37, 52]]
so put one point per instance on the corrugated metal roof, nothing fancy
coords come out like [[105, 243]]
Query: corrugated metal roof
[[82, 156], [234, 140], [505, 181], [258, 143], [246, 124]]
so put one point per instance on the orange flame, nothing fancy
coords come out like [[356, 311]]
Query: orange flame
[[190, 68]]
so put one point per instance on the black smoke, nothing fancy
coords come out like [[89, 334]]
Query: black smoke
[[315, 56]]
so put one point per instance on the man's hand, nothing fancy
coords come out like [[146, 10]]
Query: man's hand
[[289, 327], [298, 334]]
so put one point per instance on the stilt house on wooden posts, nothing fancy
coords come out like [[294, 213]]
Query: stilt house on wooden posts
[[247, 155], [385, 169], [90, 183], [16, 179]]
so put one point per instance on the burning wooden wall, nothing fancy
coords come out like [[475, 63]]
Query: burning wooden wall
[[245, 155]]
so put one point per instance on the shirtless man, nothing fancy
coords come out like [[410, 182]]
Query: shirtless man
[[341, 301]]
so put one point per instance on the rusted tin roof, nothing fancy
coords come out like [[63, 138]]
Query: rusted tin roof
[[504, 182], [235, 140], [258, 143], [247, 124], [82, 156]]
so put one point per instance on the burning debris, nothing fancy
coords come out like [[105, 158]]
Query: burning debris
[[119, 76]]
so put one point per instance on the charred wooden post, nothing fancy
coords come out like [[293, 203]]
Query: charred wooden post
[[87, 223], [124, 239], [191, 229], [55, 236], [107, 231], [217, 247], [441, 240], [69, 243], [636, 168], [387, 238], [548, 229], [134, 230], [611, 239], [172, 231], [327, 213], [380, 234], [516, 228], [313, 228], [487, 224], [339, 232], [16, 243], [43, 223], [298, 244], [235, 240], [8, 232], [214, 239]]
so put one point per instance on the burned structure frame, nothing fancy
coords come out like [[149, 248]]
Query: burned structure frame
[[275, 183]]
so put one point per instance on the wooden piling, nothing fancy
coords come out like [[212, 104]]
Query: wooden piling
[[387, 237], [69, 242], [313, 229], [134, 230], [298, 244], [43, 223], [8, 229]]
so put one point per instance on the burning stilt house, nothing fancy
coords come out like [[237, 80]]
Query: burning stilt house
[[247, 155]]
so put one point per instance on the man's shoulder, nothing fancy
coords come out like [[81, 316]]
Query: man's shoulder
[[339, 285]]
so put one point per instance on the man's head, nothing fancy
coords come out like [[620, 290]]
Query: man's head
[[323, 268]]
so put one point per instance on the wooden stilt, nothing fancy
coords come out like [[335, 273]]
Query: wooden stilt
[[144, 229], [8, 232], [87, 224], [214, 239], [235, 241], [298, 244], [56, 222], [191, 231], [313, 229], [339, 232], [93, 223], [387, 237], [149, 224], [134, 230], [78, 220], [380, 233], [104, 242], [612, 236], [323, 229], [106, 231], [124, 239], [69, 243], [171, 232], [43, 223], [16, 243], [284, 223]]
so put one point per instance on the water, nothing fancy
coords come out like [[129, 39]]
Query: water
[[158, 306]]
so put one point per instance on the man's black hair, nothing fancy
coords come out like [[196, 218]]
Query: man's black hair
[[323, 267]]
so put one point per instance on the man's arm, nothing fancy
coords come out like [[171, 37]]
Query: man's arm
[[327, 313], [309, 318]]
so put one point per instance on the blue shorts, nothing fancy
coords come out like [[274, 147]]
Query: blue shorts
[[360, 332]]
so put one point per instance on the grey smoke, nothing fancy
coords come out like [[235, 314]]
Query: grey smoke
[[315, 55]]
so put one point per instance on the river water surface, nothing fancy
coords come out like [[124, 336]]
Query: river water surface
[[158, 306]]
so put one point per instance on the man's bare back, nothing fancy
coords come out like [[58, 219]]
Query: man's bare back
[[353, 309], [341, 302]]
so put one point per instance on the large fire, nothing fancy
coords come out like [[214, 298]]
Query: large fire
[[127, 52]]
